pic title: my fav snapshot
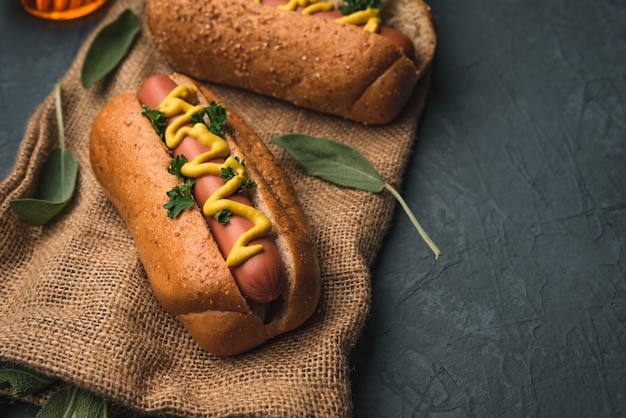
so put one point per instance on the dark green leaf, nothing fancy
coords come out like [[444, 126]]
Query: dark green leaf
[[73, 402], [227, 173], [176, 164], [60, 404], [332, 161], [24, 382], [157, 119], [345, 166], [217, 116], [353, 6], [180, 199], [109, 47], [58, 179], [56, 190], [248, 184], [89, 405], [223, 216]]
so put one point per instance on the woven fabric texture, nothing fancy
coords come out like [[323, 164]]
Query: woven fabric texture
[[76, 304]]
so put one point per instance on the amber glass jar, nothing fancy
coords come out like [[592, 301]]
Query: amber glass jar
[[61, 9]]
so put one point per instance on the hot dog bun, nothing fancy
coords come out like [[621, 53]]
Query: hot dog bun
[[310, 62], [185, 268]]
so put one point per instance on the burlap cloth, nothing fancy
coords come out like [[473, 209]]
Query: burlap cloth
[[75, 302]]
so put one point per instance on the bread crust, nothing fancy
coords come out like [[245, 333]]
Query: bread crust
[[184, 266], [304, 60]]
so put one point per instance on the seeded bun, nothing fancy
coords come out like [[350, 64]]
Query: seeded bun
[[186, 271], [308, 61]]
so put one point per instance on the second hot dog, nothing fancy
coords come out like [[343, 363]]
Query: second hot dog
[[314, 63]]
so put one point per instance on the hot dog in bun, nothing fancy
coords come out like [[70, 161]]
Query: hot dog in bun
[[218, 227], [362, 66]]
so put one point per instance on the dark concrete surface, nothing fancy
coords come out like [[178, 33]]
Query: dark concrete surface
[[518, 174]]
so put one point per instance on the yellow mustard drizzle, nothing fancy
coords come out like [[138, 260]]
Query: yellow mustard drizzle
[[369, 17], [293, 4], [322, 6], [179, 101]]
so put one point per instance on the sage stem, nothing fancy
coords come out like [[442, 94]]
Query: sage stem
[[417, 225], [59, 115], [69, 411]]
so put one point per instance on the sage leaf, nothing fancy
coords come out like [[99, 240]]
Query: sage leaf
[[24, 382], [89, 405], [73, 402], [109, 47], [345, 166], [57, 188], [58, 180], [332, 161]]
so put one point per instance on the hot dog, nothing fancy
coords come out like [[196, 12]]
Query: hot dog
[[260, 278], [230, 289], [315, 63]]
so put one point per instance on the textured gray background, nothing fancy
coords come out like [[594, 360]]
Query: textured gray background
[[518, 174]]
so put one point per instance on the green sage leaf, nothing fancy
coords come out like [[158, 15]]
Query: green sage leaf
[[73, 402], [58, 180], [345, 166], [331, 160], [57, 188], [109, 47], [88, 405], [24, 382]]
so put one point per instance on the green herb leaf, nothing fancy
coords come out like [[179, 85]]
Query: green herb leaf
[[73, 402], [180, 199], [176, 164], [345, 166], [157, 119], [217, 116], [353, 6], [332, 161], [223, 216], [58, 180], [57, 188], [227, 173], [109, 47], [248, 184], [24, 382]]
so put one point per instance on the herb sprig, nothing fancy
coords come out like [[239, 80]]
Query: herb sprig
[[58, 179], [157, 119], [345, 166], [69, 401], [217, 118], [110, 46], [353, 6], [180, 196], [228, 173]]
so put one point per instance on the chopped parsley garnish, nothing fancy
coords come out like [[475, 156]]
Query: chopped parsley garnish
[[217, 118], [223, 216], [180, 199], [157, 119], [228, 173], [353, 6], [248, 184], [176, 164]]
